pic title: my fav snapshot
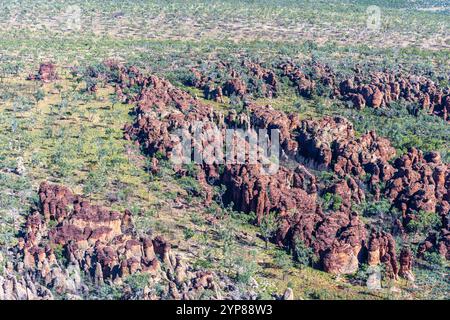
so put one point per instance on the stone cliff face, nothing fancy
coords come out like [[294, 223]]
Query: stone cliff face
[[386, 87], [337, 236], [420, 183], [70, 237], [223, 79]]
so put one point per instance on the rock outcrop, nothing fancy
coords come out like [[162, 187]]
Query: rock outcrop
[[241, 80], [420, 183], [24, 288], [336, 234], [380, 89], [291, 193], [406, 264], [307, 78], [47, 73], [70, 237], [331, 143], [345, 235], [438, 242], [374, 90], [381, 249]]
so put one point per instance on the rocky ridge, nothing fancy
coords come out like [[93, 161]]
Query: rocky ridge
[[338, 237]]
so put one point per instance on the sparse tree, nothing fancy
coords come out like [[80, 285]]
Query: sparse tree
[[283, 261], [268, 227], [39, 95]]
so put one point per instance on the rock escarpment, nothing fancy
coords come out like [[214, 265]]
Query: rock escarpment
[[337, 236], [363, 165], [374, 90], [70, 237], [248, 78], [386, 87]]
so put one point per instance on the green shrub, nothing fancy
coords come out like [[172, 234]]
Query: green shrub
[[246, 267], [191, 185], [376, 209], [332, 201], [434, 258], [424, 222], [60, 254]]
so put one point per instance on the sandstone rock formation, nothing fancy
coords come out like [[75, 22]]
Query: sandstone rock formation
[[266, 76], [225, 79], [70, 237], [47, 73], [336, 235], [331, 143], [306, 78], [381, 249], [385, 87], [375, 90], [292, 193], [288, 294], [344, 253], [406, 264], [316, 139], [438, 242]]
